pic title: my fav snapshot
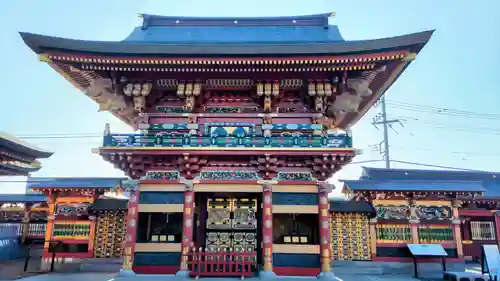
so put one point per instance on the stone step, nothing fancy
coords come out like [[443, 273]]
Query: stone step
[[356, 268], [101, 265]]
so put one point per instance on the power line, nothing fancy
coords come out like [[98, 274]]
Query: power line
[[442, 110]]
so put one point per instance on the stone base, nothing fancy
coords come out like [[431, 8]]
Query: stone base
[[328, 276], [126, 273], [182, 274], [267, 274]]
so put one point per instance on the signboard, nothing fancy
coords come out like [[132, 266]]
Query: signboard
[[491, 259], [429, 250]]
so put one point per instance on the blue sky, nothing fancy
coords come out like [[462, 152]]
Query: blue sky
[[458, 69]]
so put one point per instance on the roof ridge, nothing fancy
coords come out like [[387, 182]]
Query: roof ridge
[[311, 20]]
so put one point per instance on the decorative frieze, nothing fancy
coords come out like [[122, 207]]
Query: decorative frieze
[[229, 175], [392, 212], [434, 212], [294, 176], [240, 140], [162, 175]]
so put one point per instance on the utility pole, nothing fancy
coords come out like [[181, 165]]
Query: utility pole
[[381, 119]]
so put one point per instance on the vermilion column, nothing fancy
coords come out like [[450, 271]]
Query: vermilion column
[[132, 187], [324, 230], [187, 226], [267, 228]]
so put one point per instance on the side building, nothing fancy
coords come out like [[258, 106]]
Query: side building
[[416, 206], [78, 225], [242, 122], [479, 216]]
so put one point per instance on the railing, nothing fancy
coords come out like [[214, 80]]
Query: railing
[[51, 246], [187, 140], [236, 264]]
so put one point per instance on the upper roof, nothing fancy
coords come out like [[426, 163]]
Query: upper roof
[[20, 146], [22, 198], [192, 36], [489, 180], [77, 183], [414, 185]]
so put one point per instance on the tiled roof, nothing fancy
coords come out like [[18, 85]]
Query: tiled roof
[[171, 36], [21, 198], [414, 185], [18, 145], [490, 180], [415, 174], [98, 183]]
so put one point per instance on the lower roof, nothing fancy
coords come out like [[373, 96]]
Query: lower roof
[[76, 183], [414, 185], [20, 146], [109, 204], [351, 206], [22, 198]]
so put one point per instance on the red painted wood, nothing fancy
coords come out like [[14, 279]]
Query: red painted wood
[[497, 228], [222, 115], [297, 182], [156, 269], [224, 264], [228, 182], [475, 213], [296, 271]]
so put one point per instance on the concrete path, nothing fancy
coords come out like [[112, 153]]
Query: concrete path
[[111, 277]]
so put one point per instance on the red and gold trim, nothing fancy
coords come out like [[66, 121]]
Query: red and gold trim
[[132, 216], [324, 226], [267, 226], [187, 224]]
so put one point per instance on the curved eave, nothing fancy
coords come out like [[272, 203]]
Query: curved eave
[[20, 146], [41, 43], [19, 169]]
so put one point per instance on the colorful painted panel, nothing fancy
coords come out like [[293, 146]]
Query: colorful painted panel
[[434, 234], [162, 175], [11, 216], [110, 235], [229, 175], [67, 230], [226, 137], [71, 209], [37, 229], [350, 236], [294, 176], [160, 127], [394, 233], [392, 212], [230, 109], [169, 109], [434, 212], [294, 127], [222, 129]]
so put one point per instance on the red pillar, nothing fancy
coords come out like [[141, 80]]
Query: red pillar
[[267, 229], [131, 229], [324, 189], [497, 228], [187, 226]]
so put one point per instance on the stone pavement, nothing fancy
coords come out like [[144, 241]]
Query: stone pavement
[[112, 277]]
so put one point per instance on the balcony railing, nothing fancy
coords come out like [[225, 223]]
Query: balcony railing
[[187, 140]]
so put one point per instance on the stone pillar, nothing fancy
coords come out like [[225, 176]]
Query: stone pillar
[[414, 222], [267, 231], [373, 237], [187, 228], [457, 234], [132, 187], [324, 231]]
